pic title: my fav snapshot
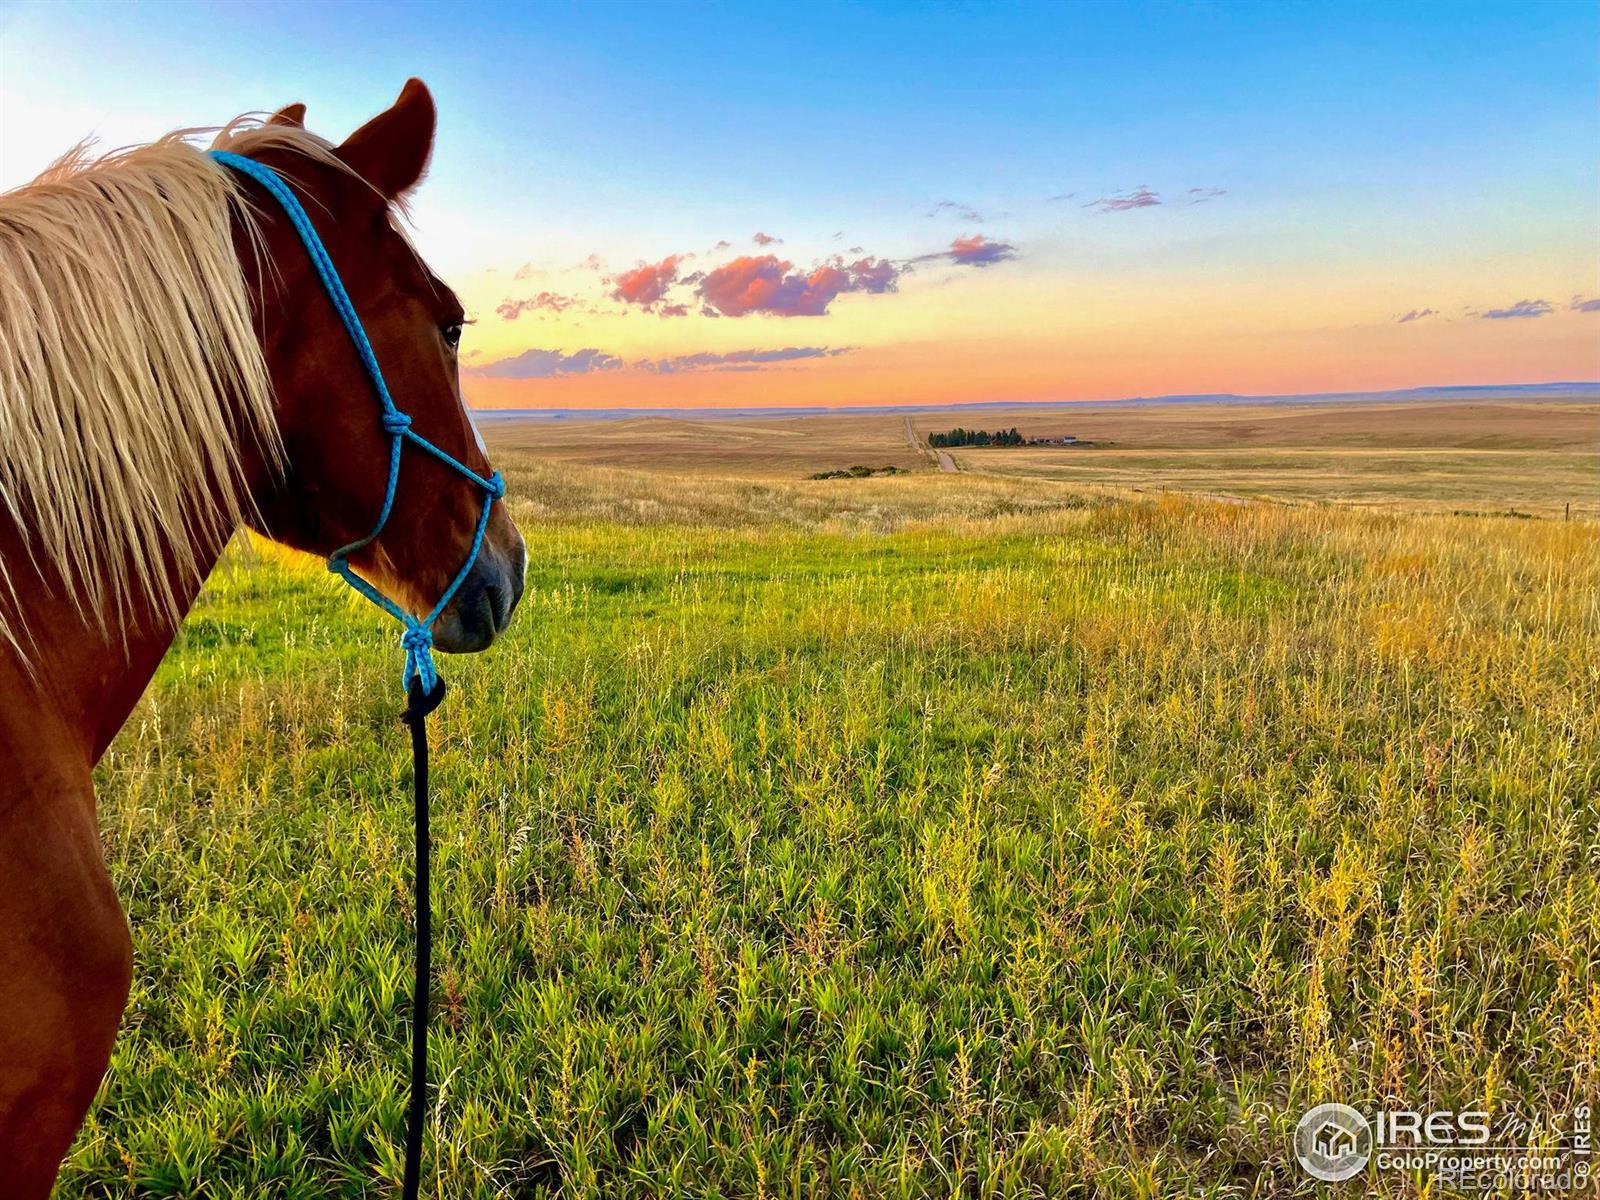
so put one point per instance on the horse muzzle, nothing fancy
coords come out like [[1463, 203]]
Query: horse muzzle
[[482, 606]]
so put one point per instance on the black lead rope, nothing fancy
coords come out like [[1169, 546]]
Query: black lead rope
[[416, 716]]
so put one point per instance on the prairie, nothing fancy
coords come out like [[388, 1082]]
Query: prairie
[[1530, 457], [931, 835]]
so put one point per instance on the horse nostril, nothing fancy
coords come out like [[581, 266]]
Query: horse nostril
[[499, 606]]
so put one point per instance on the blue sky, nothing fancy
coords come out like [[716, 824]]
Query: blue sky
[[1356, 161]]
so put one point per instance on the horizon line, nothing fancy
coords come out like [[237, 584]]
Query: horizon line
[[1503, 391]]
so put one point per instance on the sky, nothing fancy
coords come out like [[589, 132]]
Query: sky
[[726, 205]]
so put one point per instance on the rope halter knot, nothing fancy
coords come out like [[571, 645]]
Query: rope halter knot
[[417, 641]]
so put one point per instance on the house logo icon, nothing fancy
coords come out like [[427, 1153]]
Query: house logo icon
[[1333, 1142]]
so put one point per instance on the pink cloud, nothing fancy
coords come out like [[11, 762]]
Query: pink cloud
[[766, 239], [768, 284], [979, 251], [874, 275], [552, 301], [646, 285], [1140, 197]]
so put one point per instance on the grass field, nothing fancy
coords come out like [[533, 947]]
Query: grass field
[[933, 835], [1528, 457], [1519, 458]]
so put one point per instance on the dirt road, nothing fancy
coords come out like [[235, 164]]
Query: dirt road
[[946, 463]]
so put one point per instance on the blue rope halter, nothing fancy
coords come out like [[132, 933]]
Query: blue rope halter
[[418, 636]]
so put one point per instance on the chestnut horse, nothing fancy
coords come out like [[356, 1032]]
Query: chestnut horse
[[171, 367]]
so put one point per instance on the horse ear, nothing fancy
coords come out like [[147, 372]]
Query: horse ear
[[391, 151], [290, 114]]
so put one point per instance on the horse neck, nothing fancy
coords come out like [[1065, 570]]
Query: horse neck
[[77, 678]]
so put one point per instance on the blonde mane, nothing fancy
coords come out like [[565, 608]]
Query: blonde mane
[[130, 370]]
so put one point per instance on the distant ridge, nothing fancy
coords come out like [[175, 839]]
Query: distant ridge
[[1476, 391], [1509, 392]]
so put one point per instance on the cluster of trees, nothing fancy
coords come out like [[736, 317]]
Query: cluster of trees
[[976, 437], [857, 473]]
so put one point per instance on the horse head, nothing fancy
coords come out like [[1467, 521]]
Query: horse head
[[336, 447]]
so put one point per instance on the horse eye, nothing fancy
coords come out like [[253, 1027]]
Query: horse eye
[[451, 333]]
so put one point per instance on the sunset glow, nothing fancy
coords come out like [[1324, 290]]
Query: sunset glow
[[680, 207]]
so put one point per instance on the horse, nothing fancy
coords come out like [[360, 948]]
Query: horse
[[171, 368]]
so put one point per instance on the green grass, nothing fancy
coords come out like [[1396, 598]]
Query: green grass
[[899, 844]]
